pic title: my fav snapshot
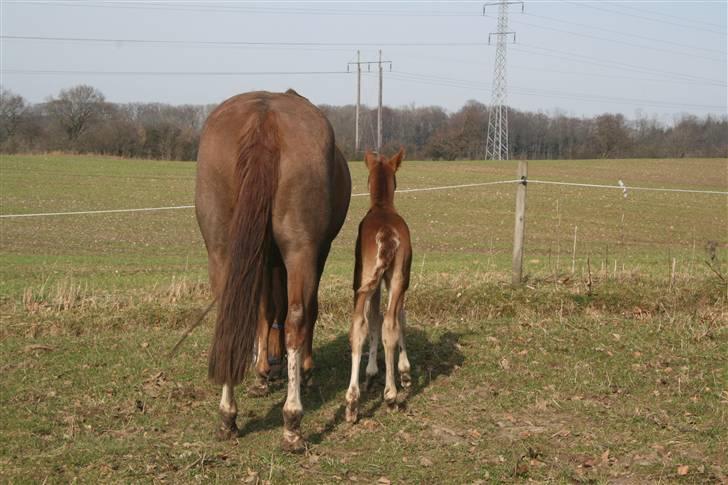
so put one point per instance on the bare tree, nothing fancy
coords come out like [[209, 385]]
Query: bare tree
[[76, 109], [12, 107]]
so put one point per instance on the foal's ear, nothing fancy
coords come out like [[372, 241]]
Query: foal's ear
[[370, 159], [396, 160]]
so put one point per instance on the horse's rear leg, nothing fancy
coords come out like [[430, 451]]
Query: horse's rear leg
[[228, 406], [228, 413], [311, 317], [357, 335], [302, 285], [269, 332], [276, 337]]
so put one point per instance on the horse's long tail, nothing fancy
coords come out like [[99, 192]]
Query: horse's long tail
[[250, 246], [387, 245]]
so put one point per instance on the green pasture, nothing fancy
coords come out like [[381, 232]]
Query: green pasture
[[615, 371]]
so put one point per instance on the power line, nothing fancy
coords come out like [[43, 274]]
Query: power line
[[207, 8], [609, 63], [465, 84], [616, 41], [471, 62], [626, 34], [168, 73], [217, 43], [643, 17], [682, 19]]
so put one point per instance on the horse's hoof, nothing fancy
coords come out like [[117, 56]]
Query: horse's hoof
[[295, 445]]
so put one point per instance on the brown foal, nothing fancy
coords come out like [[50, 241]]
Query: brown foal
[[383, 254]]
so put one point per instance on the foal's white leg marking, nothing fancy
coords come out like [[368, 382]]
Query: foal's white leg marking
[[228, 406], [293, 404], [390, 336]]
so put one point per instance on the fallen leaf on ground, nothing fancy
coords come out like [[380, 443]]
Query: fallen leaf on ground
[[682, 470], [34, 347]]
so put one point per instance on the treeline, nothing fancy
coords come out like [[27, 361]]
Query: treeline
[[80, 120]]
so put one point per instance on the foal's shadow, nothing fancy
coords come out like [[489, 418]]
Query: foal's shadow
[[429, 361]]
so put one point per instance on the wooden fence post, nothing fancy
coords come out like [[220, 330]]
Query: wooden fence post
[[520, 222]]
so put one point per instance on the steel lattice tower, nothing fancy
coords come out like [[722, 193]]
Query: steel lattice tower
[[496, 146]]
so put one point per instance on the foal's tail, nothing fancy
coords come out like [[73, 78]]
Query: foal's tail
[[251, 239], [387, 245]]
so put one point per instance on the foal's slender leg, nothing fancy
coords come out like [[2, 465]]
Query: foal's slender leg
[[374, 320], [390, 339], [228, 413], [302, 279], [357, 335], [403, 364]]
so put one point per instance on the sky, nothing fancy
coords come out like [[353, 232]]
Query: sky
[[641, 58]]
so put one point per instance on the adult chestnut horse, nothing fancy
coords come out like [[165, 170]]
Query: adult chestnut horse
[[272, 193]]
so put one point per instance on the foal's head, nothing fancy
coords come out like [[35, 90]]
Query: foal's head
[[382, 180]]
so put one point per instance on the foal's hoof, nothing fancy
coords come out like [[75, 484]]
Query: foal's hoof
[[226, 434], [406, 380], [352, 412], [295, 444], [259, 389], [307, 379], [227, 431], [369, 382], [392, 406]]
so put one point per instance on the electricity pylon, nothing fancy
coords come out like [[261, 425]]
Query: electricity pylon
[[496, 146]]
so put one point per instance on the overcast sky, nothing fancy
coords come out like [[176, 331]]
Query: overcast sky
[[583, 58]]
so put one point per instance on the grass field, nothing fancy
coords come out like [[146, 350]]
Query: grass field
[[622, 379]]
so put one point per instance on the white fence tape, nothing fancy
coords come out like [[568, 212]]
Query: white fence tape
[[403, 191]]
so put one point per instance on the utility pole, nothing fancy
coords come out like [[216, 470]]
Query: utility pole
[[358, 100], [379, 109], [496, 146], [369, 64]]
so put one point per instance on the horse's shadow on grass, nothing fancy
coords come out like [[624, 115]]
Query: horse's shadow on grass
[[429, 360]]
